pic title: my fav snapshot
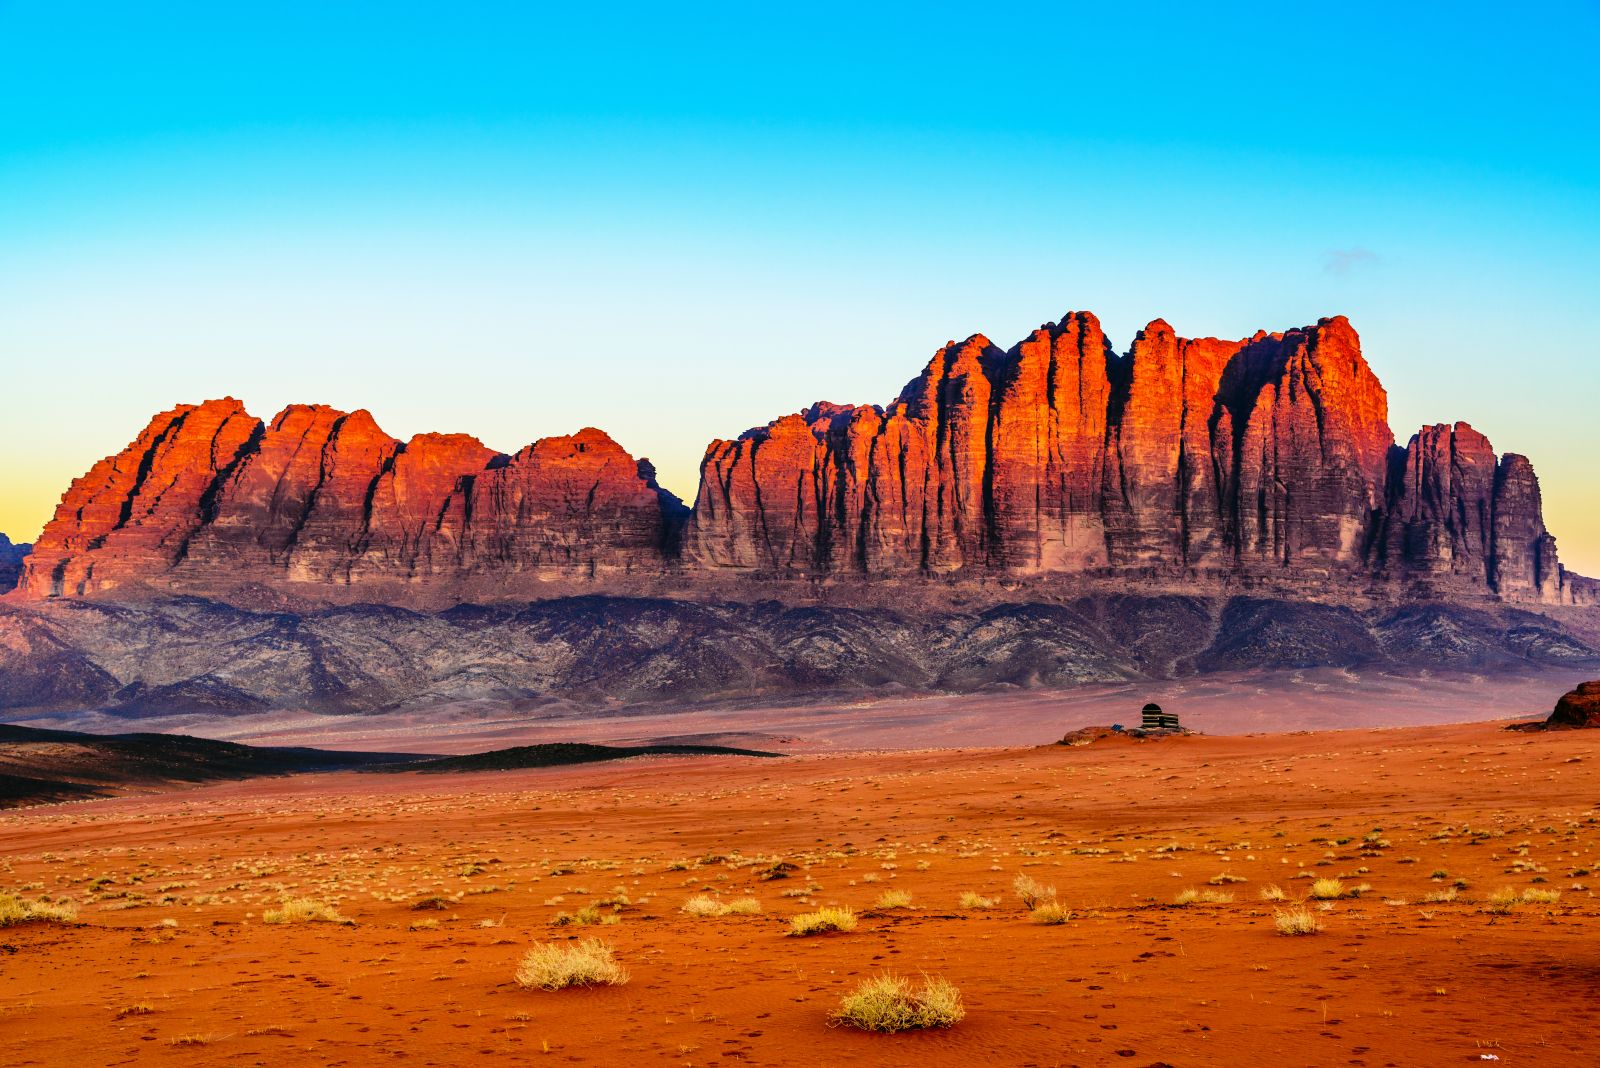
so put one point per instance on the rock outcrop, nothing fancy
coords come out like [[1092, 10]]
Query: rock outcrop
[[11, 557], [1579, 708], [1201, 464]]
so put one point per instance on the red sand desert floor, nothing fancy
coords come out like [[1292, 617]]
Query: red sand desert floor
[[170, 962]]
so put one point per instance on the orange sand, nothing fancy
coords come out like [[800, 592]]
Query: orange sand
[[1131, 979]]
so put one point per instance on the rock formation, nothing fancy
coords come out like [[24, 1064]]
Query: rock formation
[[1267, 458], [1579, 708], [209, 498], [11, 557], [192, 657], [1189, 463]]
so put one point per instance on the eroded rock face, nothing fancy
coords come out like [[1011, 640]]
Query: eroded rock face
[[1579, 708], [1184, 461], [1269, 457], [210, 499], [11, 557], [133, 515]]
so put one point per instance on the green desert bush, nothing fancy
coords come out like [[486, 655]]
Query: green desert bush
[[889, 1003], [554, 965], [822, 921]]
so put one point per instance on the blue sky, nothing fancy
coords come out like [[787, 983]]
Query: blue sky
[[677, 223]]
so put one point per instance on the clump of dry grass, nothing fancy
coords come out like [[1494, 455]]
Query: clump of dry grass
[[1273, 892], [1031, 891], [1501, 901], [1535, 896], [1296, 921], [1192, 896], [706, 905], [1326, 889], [589, 914], [893, 899], [1050, 913], [190, 1040], [15, 909], [822, 921], [303, 910], [971, 899], [554, 965], [889, 1003]]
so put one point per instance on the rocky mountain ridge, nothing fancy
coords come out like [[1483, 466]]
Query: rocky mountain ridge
[[191, 657], [1194, 464]]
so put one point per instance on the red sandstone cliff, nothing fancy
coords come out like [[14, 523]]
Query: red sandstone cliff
[[1267, 457], [214, 499], [1191, 460]]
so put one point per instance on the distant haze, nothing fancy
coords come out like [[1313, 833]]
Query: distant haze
[[516, 223]]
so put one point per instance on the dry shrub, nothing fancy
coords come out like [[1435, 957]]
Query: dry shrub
[[585, 916], [1031, 892], [554, 965], [971, 899], [15, 909], [706, 905], [1296, 921], [1501, 901], [1326, 889], [893, 899], [822, 921], [303, 910], [1050, 913], [889, 1003], [1192, 896]]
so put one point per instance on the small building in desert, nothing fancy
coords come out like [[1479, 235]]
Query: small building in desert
[[1152, 718]]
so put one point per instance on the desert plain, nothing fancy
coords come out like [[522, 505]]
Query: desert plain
[[1448, 869]]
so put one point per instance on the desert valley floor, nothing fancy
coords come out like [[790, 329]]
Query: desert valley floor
[[1422, 961]]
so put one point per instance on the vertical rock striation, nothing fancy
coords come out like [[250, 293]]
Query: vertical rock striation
[[1263, 460], [210, 499]]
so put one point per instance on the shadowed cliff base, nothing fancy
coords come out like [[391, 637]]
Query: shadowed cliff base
[[223, 671]]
